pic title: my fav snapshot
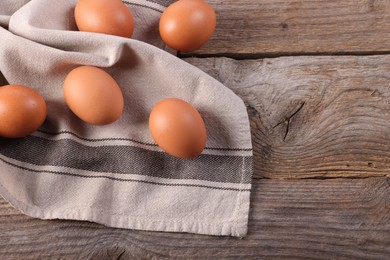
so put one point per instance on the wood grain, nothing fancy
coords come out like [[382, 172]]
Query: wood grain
[[321, 219], [313, 117], [247, 28]]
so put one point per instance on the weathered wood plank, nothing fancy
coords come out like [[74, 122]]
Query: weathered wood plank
[[321, 219], [313, 117], [247, 28]]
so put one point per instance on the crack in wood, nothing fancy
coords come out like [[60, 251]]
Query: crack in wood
[[287, 120], [120, 255], [287, 129], [114, 256]]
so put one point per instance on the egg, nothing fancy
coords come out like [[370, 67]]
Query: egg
[[22, 111], [93, 95], [186, 25], [104, 16], [178, 128]]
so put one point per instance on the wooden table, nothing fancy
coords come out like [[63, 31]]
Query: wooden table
[[315, 76]]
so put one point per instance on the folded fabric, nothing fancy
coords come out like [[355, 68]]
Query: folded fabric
[[115, 174]]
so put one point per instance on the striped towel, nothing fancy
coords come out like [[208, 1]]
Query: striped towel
[[115, 174]]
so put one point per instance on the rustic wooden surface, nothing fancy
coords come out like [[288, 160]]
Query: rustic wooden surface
[[257, 28], [321, 135], [313, 117], [319, 219]]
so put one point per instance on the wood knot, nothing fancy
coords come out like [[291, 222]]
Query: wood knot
[[284, 25], [287, 120]]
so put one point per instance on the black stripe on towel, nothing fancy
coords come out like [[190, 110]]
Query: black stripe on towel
[[92, 176], [127, 160]]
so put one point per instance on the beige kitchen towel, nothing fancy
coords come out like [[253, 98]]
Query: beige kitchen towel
[[115, 174]]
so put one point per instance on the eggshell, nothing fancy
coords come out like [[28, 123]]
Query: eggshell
[[186, 25], [93, 95], [104, 16], [178, 128], [22, 111]]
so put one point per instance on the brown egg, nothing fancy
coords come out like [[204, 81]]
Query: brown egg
[[22, 111], [104, 16], [93, 95], [177, 128], [187, 24]]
